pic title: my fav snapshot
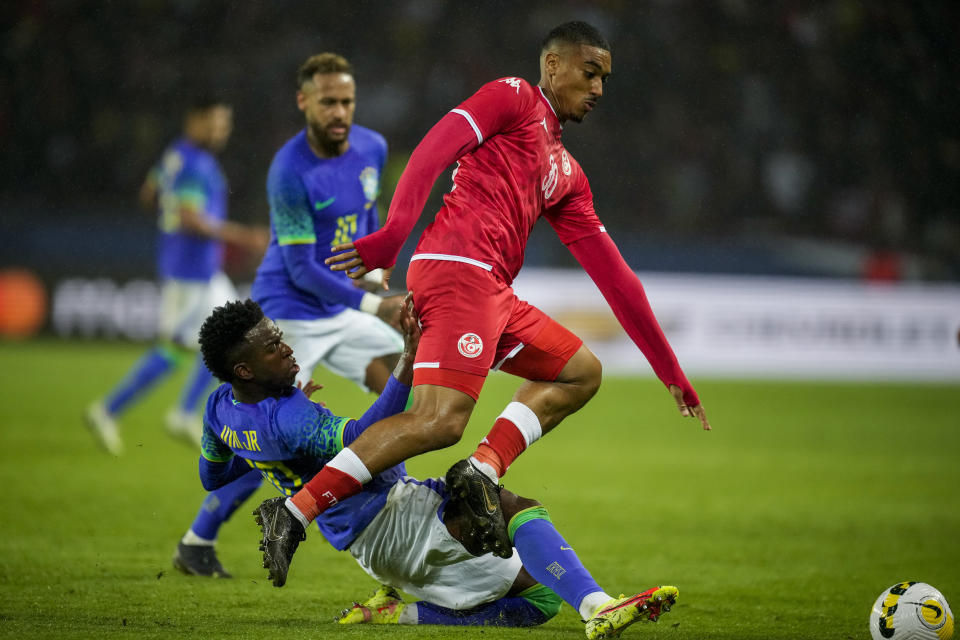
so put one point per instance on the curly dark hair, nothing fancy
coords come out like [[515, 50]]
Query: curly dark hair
[[575, 32], [222, 336]]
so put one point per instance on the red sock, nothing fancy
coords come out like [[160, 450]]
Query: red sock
[[505, 442], [324, 490], [485, 454]]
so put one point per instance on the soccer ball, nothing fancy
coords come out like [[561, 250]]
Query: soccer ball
[[911, 611]]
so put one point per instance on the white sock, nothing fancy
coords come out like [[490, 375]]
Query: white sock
[[292, 508], [409, 614], [192, 538], [526, 421], [348, 462], [590, 603], [485, 469]]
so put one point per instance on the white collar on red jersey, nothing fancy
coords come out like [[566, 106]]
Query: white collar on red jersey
[[543, 97]]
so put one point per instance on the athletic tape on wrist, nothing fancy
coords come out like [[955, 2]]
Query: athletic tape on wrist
[[370, 303]]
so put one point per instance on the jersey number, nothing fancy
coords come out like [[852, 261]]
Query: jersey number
[[346, 229]]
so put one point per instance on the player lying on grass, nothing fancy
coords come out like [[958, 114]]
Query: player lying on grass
[[403, 532]]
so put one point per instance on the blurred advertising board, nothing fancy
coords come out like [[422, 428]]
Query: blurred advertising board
[[748, 326], [739, 326]]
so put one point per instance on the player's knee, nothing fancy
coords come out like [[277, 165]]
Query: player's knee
[[446, 433], [593, 372], [527, 503], [512, 504], [584, 373]]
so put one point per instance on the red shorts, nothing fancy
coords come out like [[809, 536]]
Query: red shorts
[[473, 323]]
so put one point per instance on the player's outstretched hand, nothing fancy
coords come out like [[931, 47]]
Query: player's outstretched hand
[[410, 328], [689, 410], [351, 262], [310, 388]]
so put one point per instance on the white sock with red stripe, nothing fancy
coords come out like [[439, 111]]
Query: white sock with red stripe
[[340, 478], [514, 430]]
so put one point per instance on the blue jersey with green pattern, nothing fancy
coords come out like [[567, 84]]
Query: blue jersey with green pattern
[[289, 439], [315, 204], [188, 176]]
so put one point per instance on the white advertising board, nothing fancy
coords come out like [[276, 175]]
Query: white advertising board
[[718, 325], [747, 326]]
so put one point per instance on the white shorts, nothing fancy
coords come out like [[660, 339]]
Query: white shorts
[[345, 343], [185, 304], [407, 546]]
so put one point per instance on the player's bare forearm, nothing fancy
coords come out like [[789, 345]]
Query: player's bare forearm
[[410, 328], [147, 196], [199, 223]]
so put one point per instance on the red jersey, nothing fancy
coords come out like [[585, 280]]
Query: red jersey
[[518, 172], [512, 169]]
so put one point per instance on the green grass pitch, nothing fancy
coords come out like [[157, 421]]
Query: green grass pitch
[[787, 521]]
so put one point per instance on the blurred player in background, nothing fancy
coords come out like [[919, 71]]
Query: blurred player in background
[[322, 189], [511, 169], [402, 531], [190, 191]]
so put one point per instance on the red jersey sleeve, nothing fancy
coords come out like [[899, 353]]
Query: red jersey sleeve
[[498, 106], [624, 293]]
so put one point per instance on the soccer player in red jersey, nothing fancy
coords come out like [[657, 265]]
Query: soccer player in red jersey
[[512, 169]]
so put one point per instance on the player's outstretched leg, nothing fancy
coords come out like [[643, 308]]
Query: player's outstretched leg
[[479, 498], [383, 607], [282, 533], [387, 607], [198, 560], [612, 618]]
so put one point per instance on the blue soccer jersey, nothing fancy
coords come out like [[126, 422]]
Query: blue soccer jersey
[[189, 176], [289, 439], [315, 204]]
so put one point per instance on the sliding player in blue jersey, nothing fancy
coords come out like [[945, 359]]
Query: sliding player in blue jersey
[[322, 190], [403, 532], [190, 191]]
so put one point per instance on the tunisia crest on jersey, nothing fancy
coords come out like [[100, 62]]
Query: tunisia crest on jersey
[[470, 345]]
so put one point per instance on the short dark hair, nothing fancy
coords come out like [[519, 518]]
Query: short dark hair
[[575, 32], [322, 63], [223, 335]]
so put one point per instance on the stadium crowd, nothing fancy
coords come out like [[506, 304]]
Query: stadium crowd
[[832, 121]]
